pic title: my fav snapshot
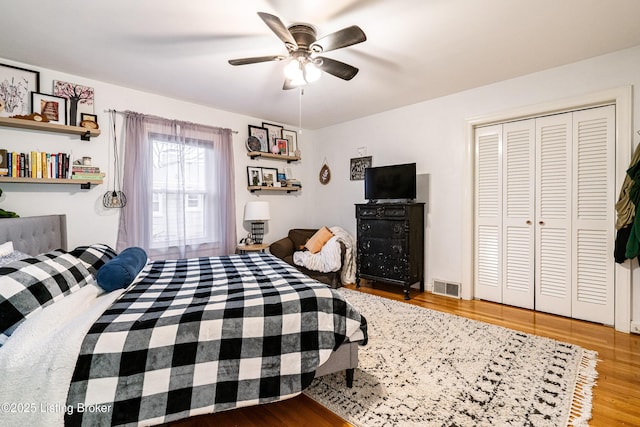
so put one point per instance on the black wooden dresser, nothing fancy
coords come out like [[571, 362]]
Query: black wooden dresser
[[390, 242]]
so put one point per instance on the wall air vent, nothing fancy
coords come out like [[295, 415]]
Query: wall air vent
[[447, 289]]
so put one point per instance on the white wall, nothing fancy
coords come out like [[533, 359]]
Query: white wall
[[432, 134], [88, 221]]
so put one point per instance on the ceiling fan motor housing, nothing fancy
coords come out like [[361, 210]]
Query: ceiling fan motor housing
[[304, 35]]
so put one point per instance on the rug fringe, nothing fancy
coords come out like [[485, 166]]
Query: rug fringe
[[580, 411]]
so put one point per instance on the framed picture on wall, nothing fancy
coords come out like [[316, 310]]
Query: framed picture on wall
[[16, 85], [263, 136], [254, 176], [358, 165]]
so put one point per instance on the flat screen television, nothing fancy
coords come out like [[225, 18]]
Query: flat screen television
[[394, 182]]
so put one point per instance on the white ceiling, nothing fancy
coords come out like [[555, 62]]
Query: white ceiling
[[415, 50]]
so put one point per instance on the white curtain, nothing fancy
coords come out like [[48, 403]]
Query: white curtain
[[179, 181]]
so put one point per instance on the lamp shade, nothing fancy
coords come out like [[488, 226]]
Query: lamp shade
[[256, 211]]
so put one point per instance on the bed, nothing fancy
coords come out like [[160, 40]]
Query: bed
[[187, 337]]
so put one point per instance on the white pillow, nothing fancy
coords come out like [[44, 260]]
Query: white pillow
[[6, 248]]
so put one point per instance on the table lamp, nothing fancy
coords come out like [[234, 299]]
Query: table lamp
[[257, 213]]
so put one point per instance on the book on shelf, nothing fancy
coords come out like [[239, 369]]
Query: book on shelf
[[36, 164], [88, 176]]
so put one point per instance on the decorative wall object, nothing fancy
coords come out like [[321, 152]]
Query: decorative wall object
[[79, 99], [52, 107], [253, 144], [358, 165], [16, 85], [325, 173]]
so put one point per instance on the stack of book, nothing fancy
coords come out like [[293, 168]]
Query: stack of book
[[294, 183], [34, 164], [86, 173]]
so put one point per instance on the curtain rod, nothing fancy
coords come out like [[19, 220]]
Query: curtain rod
[[111, 110]]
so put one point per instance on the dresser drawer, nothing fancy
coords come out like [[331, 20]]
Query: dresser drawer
[[381, 211], [382, 267], [383, 228], [396, 249]]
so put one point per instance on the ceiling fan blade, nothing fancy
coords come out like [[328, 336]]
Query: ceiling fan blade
[[343, 38], [287, 85], [337, 68], [276, 25], [254, 60]]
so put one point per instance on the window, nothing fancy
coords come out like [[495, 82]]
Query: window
[[179, 182], [180, 190]]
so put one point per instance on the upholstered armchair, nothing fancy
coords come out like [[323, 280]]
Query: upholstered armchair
[[295, 241]]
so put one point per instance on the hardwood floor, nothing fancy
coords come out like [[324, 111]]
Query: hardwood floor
[[616, 397]]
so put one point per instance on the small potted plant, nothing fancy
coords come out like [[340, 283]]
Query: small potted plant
[[7, 214]]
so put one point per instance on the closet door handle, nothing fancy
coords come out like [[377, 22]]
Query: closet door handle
[[541, 222], [529, 222]]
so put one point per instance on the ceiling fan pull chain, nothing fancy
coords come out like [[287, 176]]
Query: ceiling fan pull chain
[[300, 111]]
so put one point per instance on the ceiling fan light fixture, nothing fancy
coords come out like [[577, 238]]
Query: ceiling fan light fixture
[[293, 70], [300, 71], [311, 72]]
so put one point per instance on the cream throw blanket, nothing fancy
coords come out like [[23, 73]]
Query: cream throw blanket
[[38, 361], [328, 259]]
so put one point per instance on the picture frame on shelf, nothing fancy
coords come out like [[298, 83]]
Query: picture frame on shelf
[[282, 146], [288, 172], [292, 138], [282, 179], [54, 108], [88, 117], [274, 132], [79, 99], [17, 84], [269, 176], [89, 121], [254, 176], [263, 136], [358, 165]]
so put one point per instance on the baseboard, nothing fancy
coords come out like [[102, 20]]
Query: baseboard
[[635, 327]]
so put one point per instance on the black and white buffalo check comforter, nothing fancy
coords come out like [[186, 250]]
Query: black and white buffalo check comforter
[[204, 335]]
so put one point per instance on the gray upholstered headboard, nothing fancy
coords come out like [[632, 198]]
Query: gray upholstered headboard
[[36, 234]]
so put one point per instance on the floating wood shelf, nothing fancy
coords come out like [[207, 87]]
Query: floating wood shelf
[[254, 188], [289, 159], [85, 184], [85, 134]]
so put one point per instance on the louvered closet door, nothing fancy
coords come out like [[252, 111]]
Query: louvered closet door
[[488, 213], [553, 214], [518, 229], [593, 199]]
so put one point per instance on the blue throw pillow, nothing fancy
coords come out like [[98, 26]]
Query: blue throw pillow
[[120, 272]]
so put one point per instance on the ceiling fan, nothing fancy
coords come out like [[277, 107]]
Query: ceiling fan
[[303, 47]]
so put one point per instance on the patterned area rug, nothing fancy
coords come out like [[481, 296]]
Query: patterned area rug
[[427, 368]]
